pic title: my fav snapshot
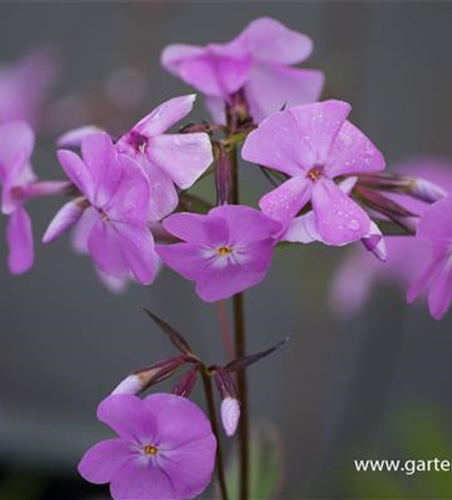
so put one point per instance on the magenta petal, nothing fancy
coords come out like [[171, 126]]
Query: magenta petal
[[269, 40], [190, 466], [198, 229], [137, 245], [141, 480], [76, 169], [353, 152], [163, 195], [104, 166], [278, 143], [436, 224], [339, 219], [184, 258], [246, 225], [165, 116], [217, 109], [271, 88], [284, 202], [184, 157], [127, 415], [437, 260], [130, 200], [19, 236], [73, 138], [105, 248], [68, 215], [81, 232], [101, 462], [179, 421]]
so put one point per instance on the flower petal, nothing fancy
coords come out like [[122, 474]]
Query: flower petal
[[339, 220], [73, 138], [100, 463], [269, 40], [141, 480], [302, 229], [68, 215], [184, 258], [127, 415], [436, 224], [137, 246], [19, 236], [104, 165], [284, 202], [81, 232], [77, 171], [184, 157], [163, 195], [353, 152], [440, 295], [16, 139], [271, 88], [165, 116], [198, 229]]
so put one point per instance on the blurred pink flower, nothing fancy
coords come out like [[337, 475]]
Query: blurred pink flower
[[258, 62], [25, 84], [359, 272], [314, 144], [165, 449]]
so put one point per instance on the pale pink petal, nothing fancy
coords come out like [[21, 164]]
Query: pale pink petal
[[112, 284], [68, 215], [440, 294], [284, 202], [102, 461], [16, 139], [270, 88], [352, 152], [137, 247], [165, 116], [269, 40], [81, 232], [73, 138], [302, 229], [127, 415], [217, 109], [339, 220], [19, 236], [163, 194], [184, 157]]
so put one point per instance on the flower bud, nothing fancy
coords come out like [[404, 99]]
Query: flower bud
[[230, 415], [186, 383], [427, 191]]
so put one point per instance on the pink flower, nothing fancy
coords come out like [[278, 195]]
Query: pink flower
[[226, 251], [358, 273], [435, 227], [257, 61], [169, 160], [165, 449], [16, 146], [314, 144], [113, 210], [24, 86]]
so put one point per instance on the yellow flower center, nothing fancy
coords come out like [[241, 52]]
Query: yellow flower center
[[223, 251], [150, 450]]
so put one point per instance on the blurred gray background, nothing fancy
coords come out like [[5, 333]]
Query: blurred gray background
[[374, 385]]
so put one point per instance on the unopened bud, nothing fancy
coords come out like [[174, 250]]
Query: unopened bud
[[427, 191], [186, 383], [375, 243], [230, 415], [143, 379]]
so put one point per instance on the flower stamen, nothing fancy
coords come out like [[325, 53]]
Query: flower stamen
[[224, 251], [149, 449], [315, 173]]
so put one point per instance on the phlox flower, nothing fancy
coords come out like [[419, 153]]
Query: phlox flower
[[113, 208], [225, 252], [169, 160], [435, 227], [313, 144], [165, 449], [258, 62]]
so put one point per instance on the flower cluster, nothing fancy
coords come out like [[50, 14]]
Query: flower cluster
[[130, 205]]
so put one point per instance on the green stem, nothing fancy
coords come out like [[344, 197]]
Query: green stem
[[207, 381], [240, 351]]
